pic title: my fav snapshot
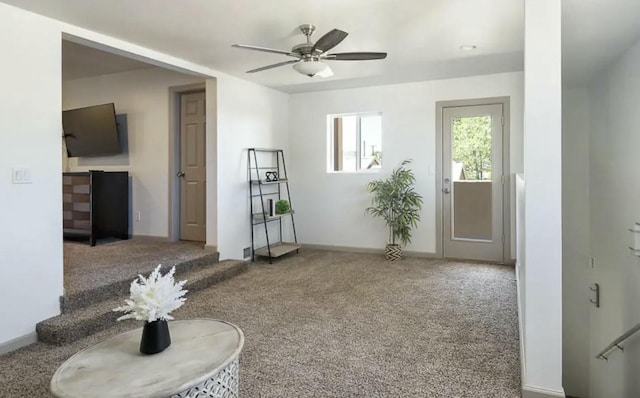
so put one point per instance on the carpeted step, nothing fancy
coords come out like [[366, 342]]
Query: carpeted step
[[82, 322], [120, 286]]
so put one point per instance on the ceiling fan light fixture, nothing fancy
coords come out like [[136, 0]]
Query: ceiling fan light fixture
[[309, 56], [327, 72], [310, 67]]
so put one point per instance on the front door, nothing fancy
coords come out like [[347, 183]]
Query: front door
[[472, 182], [193, 167]]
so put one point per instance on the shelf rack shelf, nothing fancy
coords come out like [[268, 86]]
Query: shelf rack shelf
[[261, 218], [283, 181], [278, 249], [275, 190]]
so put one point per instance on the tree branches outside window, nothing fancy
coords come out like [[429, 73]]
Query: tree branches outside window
[[471, 145]]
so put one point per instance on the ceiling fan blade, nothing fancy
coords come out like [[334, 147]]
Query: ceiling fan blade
[[359, 56], [273, 66], [329, 40], [263, 49]]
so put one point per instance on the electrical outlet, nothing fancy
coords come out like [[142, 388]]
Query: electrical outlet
[[138, 216]]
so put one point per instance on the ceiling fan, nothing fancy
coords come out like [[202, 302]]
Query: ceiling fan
[[310, 56]]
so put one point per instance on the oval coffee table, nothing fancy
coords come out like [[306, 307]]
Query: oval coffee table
[[202, 361]]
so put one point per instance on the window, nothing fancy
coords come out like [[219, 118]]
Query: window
[[355, 142]]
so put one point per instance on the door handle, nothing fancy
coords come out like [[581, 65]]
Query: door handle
[[180, 174], [446, 190]]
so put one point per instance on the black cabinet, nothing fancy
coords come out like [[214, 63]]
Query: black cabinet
[[96, 204]]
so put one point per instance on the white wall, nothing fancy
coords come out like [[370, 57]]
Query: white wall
[[211, 90], [240, 115], [575, 241], [521, 233], [542, 356], [31, 244], [615, 206], [144, 96], [30, 214], [227, 228], [249, 116], [330, 206], [243, 115]]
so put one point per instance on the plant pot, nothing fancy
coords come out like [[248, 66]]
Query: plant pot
[[155, 337], [393, 252]]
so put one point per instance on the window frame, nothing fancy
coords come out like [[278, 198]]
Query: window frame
[[331, 149]]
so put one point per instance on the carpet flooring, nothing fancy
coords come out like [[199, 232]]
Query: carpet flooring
[[88, 267], [329, 324]]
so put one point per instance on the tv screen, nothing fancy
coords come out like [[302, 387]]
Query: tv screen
[[91, 131]]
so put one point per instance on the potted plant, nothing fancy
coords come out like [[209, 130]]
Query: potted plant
[[397, 202], [282, 207]]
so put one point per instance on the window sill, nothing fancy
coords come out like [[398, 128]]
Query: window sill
[[376, 171]]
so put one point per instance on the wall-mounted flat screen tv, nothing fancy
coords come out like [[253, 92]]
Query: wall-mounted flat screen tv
[[91, 131]]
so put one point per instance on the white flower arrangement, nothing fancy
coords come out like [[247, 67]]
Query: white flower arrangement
[[153, 298]]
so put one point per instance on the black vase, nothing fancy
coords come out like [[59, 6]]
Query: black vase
[[155, 337]]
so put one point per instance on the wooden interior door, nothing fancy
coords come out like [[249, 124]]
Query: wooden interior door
[[193, 175]]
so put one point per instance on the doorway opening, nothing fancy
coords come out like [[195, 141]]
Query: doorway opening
[[472, 179]]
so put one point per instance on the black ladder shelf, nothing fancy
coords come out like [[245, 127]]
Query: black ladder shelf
[[260, 191]]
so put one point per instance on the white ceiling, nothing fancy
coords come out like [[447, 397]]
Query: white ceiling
[[595, 33], [80, 61], [422, 37]]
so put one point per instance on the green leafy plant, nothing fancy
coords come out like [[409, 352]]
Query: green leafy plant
[[282, 207], [472, 146], [396, 201]]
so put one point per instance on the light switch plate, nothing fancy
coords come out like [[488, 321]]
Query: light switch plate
[[21, 176]]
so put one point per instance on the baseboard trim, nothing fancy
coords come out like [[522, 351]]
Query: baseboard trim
[[365, 250], [18, 342], [152, 238], [405, 253], [167, 239], [411, 253], [349, 249], [540, 392]]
